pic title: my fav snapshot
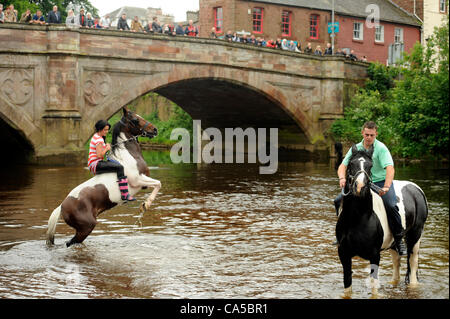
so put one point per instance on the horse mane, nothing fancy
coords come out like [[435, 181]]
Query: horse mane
[[363, 152], [115, 134], [338, 149]]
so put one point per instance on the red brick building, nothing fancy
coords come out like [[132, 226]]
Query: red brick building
[[307, 21]]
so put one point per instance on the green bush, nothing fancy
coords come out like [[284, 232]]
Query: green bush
[[179, 119]]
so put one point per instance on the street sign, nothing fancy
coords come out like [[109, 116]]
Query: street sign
[[330, 27]]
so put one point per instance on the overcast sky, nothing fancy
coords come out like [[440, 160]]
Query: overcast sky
[[176, 7]]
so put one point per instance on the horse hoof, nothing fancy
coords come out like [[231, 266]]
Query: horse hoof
[[347, 293], [144, 207], [413, 285], [376, 295], [394, 282]]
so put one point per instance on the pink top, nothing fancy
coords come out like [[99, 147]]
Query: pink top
[[93, 159]]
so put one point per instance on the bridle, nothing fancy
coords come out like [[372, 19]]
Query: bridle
[[352, 180], [142, 130]]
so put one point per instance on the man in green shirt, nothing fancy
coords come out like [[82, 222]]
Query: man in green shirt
[[382, 176]]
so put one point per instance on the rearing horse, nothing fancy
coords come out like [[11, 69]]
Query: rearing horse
[[362, 228], [86, 201]]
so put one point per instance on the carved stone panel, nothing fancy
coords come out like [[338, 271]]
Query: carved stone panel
[[16, 86], [301, 96], [97, 87]]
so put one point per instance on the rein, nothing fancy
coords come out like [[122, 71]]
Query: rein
[[135, 137]]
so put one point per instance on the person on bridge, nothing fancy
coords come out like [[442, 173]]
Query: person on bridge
[[71, 21], [10, 14], [38, 18], [136, 25], [382, 176], [191, 30], [179, 29], [328, 50], [308, 49], [97, 151], [26, 17], [2, 15], [156, 26], [82, 21], [122, 23], [54, 16]]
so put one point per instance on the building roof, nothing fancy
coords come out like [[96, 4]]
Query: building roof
[[389, 12], [131, 12]]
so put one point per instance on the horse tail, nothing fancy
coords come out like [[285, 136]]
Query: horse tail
[[52, 225]]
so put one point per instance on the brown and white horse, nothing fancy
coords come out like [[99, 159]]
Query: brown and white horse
[[86, 201]]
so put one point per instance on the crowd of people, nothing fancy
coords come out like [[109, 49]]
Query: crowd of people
[[85, 20], [284, 44], [156, 27], [11, 15]]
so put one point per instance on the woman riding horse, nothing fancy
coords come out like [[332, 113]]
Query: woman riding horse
[[85, 202], [97, 151]]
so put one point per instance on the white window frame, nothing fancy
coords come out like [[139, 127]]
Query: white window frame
[[379, 31], [398, 35], [442, 5], [358, 30]]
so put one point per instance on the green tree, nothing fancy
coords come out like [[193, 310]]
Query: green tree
[[420, 101], [46, 6], [411, 112]]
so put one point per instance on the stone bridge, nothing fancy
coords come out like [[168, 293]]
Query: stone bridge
[[56, 82]]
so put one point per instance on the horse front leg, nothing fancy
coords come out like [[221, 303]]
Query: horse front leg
[[373, 282], [346, 262], [145, 181]]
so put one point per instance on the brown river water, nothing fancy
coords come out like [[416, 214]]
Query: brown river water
[[214, 231]]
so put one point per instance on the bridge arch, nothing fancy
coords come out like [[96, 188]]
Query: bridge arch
[[256, 103], [18, 135]]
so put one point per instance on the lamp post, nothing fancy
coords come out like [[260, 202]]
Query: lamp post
[[332, 27]]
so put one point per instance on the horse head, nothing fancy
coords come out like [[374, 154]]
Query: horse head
[[358, 173], [135, 125]]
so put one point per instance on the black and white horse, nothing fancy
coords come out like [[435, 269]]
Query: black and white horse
[[362, 228]]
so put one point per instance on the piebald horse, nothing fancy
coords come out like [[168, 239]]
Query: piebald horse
[[362, 228], [86, 201]]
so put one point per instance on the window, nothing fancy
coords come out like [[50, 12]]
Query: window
[[286, 23], [357, 31], [258, 16], [218, 19], [314, 26], [398, 35], [379, 33], [395, 53], [442, 5]]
